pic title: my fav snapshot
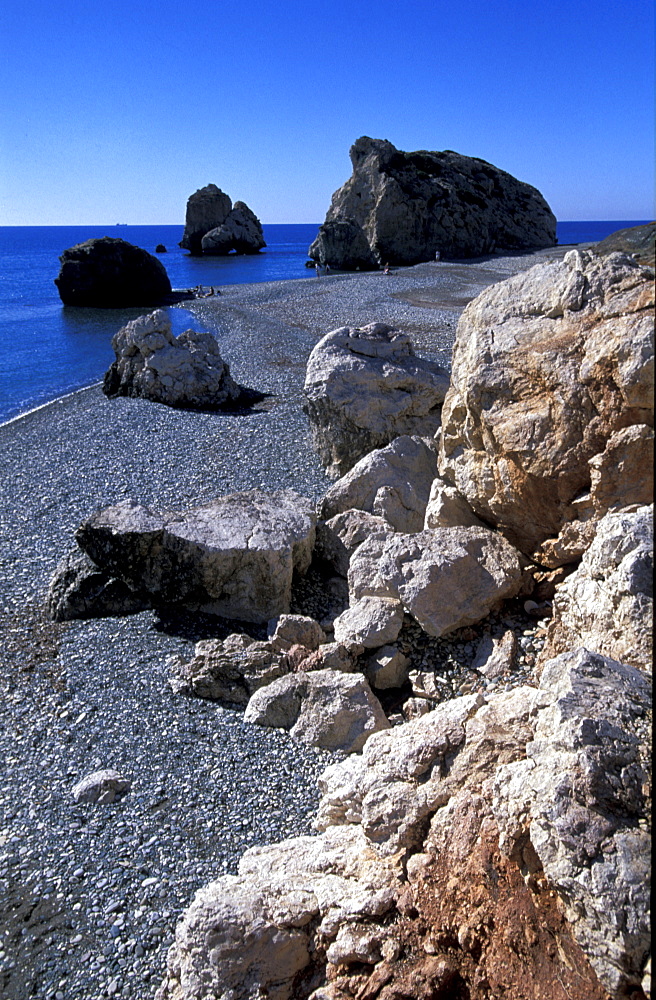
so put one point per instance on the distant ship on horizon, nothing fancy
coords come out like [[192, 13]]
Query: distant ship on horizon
[[121, 223]]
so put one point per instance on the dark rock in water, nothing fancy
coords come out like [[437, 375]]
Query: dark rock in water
[[80, 589], [412, 205], [207, 208], [639, 241], [241, 232], [109, 273], [214, 226], [160, 248], [342, 243]]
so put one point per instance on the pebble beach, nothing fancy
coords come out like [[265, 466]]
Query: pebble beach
[[90, 894]]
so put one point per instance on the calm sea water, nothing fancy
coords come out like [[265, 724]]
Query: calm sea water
[[47, 349]]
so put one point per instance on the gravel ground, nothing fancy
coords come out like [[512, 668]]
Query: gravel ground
[[90, 895]]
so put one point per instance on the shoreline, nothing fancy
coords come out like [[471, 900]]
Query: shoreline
[[445, 271], [93, 893]]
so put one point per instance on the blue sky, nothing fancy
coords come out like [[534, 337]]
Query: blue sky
[[116, 111]]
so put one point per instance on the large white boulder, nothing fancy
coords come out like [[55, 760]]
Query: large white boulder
[[250, 934], [547, 423], [233, 557], [445, 577], [363, 388], [186, 371]]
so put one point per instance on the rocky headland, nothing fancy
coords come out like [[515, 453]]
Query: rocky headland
[[461, 632], [403, 208]]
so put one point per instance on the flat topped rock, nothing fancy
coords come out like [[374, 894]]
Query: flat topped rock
[[234, 557]]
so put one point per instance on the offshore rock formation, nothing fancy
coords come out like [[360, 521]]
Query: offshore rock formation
[[109, 273], [214, 226], [548, 420], [186, 371], [404, 207]]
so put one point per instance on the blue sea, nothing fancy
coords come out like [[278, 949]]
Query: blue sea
[[47, 349]]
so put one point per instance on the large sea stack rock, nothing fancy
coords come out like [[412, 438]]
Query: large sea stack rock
[[186, 371], [207, 208], [108, 273], [234, 557], [548, 421], [214, 226], [410, 205], [363, 388]]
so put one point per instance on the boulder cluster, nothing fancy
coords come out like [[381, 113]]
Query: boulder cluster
[[493, 844], [404, 208], [213, 225]]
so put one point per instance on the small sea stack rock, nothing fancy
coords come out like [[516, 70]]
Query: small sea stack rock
[[109, 273], [214, 226]]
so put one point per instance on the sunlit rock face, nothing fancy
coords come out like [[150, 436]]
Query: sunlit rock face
[[408, 206]]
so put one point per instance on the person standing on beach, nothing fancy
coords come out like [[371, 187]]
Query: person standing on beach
[[317, 268]]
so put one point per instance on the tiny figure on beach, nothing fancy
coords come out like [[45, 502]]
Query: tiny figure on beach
[[386, 269], [438, 255], [327, 269], [317, 269]]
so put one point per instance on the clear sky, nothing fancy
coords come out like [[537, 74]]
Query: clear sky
[[117, 110]]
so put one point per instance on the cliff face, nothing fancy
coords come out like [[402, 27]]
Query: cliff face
[[411, 205]]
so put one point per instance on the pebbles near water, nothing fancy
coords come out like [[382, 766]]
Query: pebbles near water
[[90, 894]]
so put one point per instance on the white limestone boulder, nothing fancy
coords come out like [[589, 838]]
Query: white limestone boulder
[[326, 708], [547, 423], [250, 934], [339, 537], [363, 388], [607, 603], [579, 796], [230, 669], [393, 482], [448, 508], [295, 630], [186, 371], [369, 622], [445, 578]]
